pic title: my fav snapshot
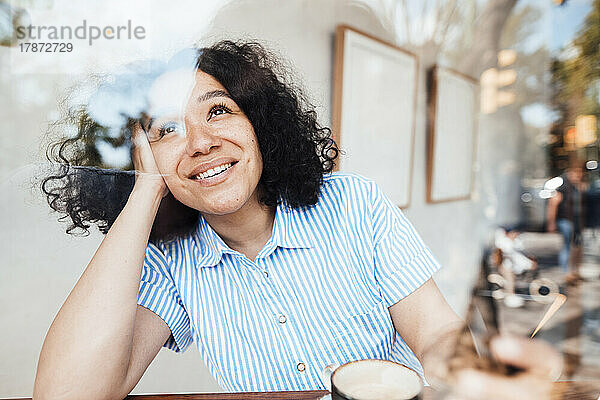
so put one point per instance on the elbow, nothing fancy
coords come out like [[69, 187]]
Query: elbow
[[58, 382], [71, 392], [53, 392]]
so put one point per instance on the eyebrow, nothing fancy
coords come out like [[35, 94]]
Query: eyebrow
[[212, 94]]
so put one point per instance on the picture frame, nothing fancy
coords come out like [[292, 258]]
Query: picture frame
[[452, 110], [374, 110]]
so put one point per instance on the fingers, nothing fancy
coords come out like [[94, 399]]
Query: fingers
[[138, 137], [476, 385], [537, 357], [143, 158], [538, 360], [146, 169]]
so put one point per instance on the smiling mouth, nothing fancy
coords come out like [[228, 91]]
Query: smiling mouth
[[216, 171]]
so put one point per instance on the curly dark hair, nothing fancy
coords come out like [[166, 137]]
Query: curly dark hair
[[296, 150]]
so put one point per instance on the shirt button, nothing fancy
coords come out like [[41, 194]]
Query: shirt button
[[300, 367], [266, 274], [282, 319]]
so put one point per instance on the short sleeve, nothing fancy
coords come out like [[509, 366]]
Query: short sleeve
[[402, 260], [562, 189], [158, 294]]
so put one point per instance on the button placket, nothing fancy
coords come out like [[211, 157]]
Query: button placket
[[297, 357], [300, 366], [260, 268]]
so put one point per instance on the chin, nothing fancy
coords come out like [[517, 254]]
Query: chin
[[212, 210], [217, 206], [219, 200]]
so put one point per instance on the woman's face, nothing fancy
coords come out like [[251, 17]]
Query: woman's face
[[203, 143]]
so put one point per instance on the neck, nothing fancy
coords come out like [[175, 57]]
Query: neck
[[248, 229]]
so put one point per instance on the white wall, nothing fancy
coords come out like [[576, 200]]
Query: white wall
[[39, 264]]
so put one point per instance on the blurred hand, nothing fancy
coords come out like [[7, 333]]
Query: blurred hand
[[146, 170], [541, 365], [551, 227]]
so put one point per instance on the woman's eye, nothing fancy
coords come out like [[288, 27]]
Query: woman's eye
[[218, 110], [169, 128]]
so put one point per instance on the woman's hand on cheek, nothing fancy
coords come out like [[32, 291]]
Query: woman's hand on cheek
[[539, 362], [146, 170]]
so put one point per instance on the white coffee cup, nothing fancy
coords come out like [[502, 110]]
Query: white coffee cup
[[373, 380]]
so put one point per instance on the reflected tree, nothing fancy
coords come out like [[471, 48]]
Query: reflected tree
[[576, 87]]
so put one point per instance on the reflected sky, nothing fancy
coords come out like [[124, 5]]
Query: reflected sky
[[167, 29]]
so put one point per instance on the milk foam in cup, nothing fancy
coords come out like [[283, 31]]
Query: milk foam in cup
[[375, 380]]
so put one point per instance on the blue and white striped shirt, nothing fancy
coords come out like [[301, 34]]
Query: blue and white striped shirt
[[317, 293]]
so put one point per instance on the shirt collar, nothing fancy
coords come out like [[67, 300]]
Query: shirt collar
[[211, 247], [288, 229], [288, 232]]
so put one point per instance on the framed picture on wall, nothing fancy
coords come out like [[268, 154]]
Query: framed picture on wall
[[451, 140], [374, 106]]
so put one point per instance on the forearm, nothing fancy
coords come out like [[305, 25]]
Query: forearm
[[437, 352], [551, 211], [427, 324], [90, 340], [551, 214]]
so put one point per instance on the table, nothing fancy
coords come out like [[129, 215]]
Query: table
[[305, 395], [587, 390]]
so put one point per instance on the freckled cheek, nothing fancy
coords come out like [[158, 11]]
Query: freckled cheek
[[252, 144], [242, 128], [259, 165], [174, 182], [167, 165], [258, 156]]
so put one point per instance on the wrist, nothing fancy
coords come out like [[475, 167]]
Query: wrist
[[148, 190]]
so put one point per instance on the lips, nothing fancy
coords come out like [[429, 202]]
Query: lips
[[211, 168], [212, 172]]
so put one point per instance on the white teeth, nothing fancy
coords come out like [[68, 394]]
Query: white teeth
[[212, 172]]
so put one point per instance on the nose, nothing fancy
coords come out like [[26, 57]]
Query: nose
[[200, 139]]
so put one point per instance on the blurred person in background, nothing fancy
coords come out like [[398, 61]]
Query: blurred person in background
[[511, 261], [593, 204], [565, 214]]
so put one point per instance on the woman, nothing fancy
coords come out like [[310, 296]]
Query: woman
[[274, 266]]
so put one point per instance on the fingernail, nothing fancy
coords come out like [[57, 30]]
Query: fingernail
[[506, 346]]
